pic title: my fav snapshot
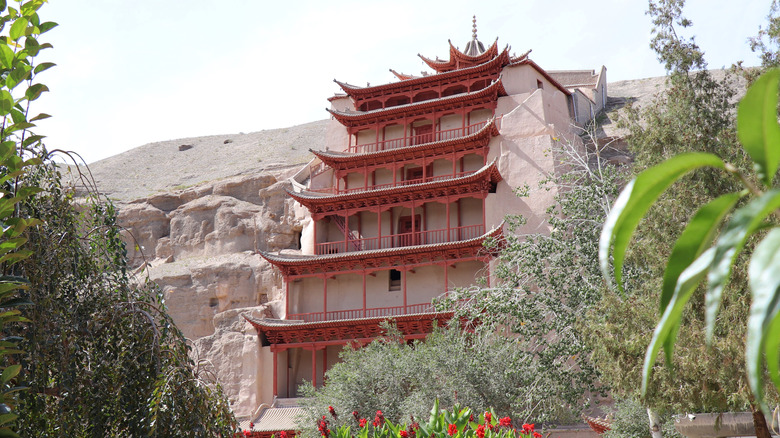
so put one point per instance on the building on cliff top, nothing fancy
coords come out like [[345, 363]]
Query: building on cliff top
[[417, 173]]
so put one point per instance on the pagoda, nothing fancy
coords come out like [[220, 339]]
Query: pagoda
[[416, 176]]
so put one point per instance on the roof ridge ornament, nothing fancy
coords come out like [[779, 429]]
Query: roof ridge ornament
[[475, 46]]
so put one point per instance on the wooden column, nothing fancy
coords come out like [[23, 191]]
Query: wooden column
[[346, 232], [324, 363], [364, 294], [324, 296], [286, 298], [446, 279], [404, 272], [276, 374], [314, 367], [379, 229], [448, 220]]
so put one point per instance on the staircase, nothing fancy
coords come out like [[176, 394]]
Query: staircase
[[352, 238]]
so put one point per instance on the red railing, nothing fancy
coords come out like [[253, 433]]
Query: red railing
[[376, 312], [407, 182], [425, 237], [447, 134]]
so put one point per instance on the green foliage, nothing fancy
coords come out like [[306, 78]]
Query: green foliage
[[693, 115], [101, 357], [629, 420], [481, 370], [543, 283], [760, 104]]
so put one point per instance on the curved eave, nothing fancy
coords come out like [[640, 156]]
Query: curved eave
[[407, 81], [343, 160], [456, 57], [402, 76], [264, 324], [354, 118], [377, 259], [489, 172], [283, 335]]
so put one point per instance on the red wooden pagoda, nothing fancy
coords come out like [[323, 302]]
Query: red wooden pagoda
[[417, 174]]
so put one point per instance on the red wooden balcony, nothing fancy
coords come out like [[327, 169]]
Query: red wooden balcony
[[413, 140], [423, 237], [376, 312], [408, 182]]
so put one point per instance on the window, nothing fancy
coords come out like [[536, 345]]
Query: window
[[539, 84], [395, 281]]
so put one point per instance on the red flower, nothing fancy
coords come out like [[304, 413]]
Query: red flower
[[247, 433], [251, 425], [490, 426], [452, 430], [282, 434], [537, 435], [379, 419], [488, 417], [363, 422], [332, 412], [471, 417], [403, 434], [355, 414], [528, 428], [506, 422], [481, 431]]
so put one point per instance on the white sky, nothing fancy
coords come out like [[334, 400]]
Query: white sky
[[134, 72]]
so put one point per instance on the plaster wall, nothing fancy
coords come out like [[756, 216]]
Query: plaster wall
[[336, 137], [478, 116], [383, 176], [451, 121], [394, 131], [472, 162]]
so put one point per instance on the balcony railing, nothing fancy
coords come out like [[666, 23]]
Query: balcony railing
[[447, 134], [376, 312], [425, 237], [407, 182]]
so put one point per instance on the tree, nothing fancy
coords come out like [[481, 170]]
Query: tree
[[690, 260], [480, 370], [543, 283], [694, 114], [100, 357]]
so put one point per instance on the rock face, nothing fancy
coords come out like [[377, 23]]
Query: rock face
[[200, 245]]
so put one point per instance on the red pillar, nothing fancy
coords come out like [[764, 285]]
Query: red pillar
[[379, 229], [314, 367], [448, 221], [324, 296], [276, 375], [446, 277], [324, 363], [484, 223], [364, 294], [286, 298], [404, 272]]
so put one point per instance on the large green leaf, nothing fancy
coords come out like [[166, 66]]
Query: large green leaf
[[743, 223], [18, 28], [667, 328], [757, 125], [764, 284], [697, 236], [634, 201]]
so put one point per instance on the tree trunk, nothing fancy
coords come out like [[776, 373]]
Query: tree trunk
[[655, 424], [759, 423]]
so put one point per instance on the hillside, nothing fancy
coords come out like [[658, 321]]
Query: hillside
[[163, 166]]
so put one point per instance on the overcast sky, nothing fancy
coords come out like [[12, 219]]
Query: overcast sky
[[135, 72]]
